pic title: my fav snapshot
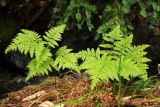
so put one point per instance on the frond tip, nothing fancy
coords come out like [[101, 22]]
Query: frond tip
[[54, 35]]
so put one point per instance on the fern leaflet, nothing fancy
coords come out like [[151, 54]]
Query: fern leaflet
[[66, 59], [54, 35]]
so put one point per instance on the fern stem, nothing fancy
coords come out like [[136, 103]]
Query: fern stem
[[114, 87], [119, 91], [55, 80], [119, 83]]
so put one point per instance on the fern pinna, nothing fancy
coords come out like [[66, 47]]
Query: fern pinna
[[118, 59], [66, 59], [39, 50]]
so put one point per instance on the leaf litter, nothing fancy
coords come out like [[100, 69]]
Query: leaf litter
[[73, 90]]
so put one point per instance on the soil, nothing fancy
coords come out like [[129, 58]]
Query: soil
[[73, 90]]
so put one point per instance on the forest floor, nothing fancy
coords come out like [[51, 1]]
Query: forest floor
[[66, 91]]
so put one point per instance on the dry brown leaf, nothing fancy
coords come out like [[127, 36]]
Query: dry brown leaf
[[46, 104], [37, 94]]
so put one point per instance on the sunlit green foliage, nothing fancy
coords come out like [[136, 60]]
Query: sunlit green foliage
[[66, 59], [119, 59], [30, 42]]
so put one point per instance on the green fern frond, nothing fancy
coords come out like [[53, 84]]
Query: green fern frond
[[137, 53], [66, 59], [99, 69], [114, 34], [42, 69], [54, 35], [130, 69], [118, 59], [30, 42], [41, 55], [90, 53], [119, 45], [25, 42]]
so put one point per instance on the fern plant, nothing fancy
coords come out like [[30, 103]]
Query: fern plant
[[118, 59], [30, 42]]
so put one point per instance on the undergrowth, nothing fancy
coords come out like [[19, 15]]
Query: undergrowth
[[118, 59], [39, 49], [115, 59]]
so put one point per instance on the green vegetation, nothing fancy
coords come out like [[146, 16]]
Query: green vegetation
[[140, 86], [81, 12], [30, 42], [115, 59], [78, 12], [119, 59], [120, 13]]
